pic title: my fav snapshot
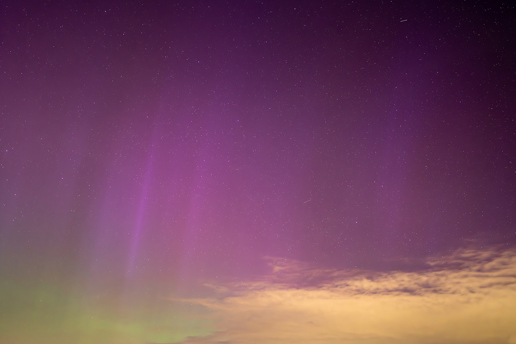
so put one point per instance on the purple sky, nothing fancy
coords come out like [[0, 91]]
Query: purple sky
[[150, 148]]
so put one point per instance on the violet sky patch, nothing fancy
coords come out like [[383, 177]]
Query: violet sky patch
[[257, 171]]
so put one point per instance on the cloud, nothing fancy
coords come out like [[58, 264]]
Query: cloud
[[466, 297]]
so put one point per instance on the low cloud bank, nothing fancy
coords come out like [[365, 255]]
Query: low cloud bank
[[466, 297]]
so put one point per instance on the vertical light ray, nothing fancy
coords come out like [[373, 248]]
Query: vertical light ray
[[140, 215]]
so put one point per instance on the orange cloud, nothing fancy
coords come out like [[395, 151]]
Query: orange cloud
[[467, 297]]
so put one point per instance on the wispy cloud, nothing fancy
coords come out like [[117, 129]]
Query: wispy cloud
[[466, 297]]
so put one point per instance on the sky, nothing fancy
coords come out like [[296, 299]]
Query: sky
[[257, 172]]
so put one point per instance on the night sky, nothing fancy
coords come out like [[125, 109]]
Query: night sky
[[257, 172]]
